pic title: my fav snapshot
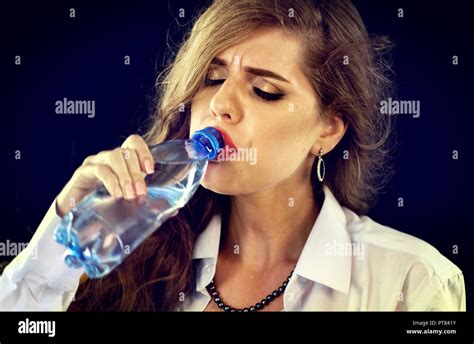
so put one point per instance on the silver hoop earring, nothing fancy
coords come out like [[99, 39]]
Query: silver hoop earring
[[321, 166]]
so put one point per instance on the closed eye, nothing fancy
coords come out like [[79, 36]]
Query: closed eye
[[271, 97]]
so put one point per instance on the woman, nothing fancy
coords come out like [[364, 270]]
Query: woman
[[298, 82]]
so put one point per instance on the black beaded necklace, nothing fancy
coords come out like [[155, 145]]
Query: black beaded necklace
[[211, 288]]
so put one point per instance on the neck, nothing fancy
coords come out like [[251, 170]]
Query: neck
[[269, 228]]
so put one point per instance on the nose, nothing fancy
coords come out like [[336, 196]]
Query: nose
[[224, 104]]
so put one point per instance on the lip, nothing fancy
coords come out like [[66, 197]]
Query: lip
[[227, 139]]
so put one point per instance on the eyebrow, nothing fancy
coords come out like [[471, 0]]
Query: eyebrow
[[252, 70]]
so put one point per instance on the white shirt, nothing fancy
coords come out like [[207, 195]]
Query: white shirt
[[348, 263]]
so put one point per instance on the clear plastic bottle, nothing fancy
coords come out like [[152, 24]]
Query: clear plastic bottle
[[102, 230]]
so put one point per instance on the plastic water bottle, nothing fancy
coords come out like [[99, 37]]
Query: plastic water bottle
[[102, 230]]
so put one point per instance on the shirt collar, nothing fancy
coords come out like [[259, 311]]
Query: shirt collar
[[207, 243], [206, 251], [321, 261]]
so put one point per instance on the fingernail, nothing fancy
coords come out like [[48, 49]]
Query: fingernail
[[149, 166], [129, 190], [140, 187], [118, 191]]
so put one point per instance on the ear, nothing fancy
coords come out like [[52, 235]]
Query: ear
[[329, 133]]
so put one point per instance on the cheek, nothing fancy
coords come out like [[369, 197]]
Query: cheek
[[279, 158], [279, 154], [194, 123], [221, 178], [289, 141], [198, 113]]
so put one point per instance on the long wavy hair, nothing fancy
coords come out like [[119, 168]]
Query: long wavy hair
[[349, 72]]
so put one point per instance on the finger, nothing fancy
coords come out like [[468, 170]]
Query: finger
[[145, 157], [97, 159], [104, 174], [133, 165], [116, 162]]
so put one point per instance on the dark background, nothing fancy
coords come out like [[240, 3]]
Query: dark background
[[82, 58]]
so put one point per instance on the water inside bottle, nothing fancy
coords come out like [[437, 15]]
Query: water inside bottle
[[101, 231]]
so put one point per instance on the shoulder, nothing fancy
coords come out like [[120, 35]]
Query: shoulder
[[418, 268], [384, 241]]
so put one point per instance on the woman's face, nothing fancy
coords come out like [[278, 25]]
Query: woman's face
[[277, 137]]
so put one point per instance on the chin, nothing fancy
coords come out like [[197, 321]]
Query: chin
[[218, 178]]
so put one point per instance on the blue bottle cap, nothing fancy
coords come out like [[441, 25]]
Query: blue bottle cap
[[211, 139]]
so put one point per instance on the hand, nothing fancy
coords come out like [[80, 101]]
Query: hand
[[121, 170]]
